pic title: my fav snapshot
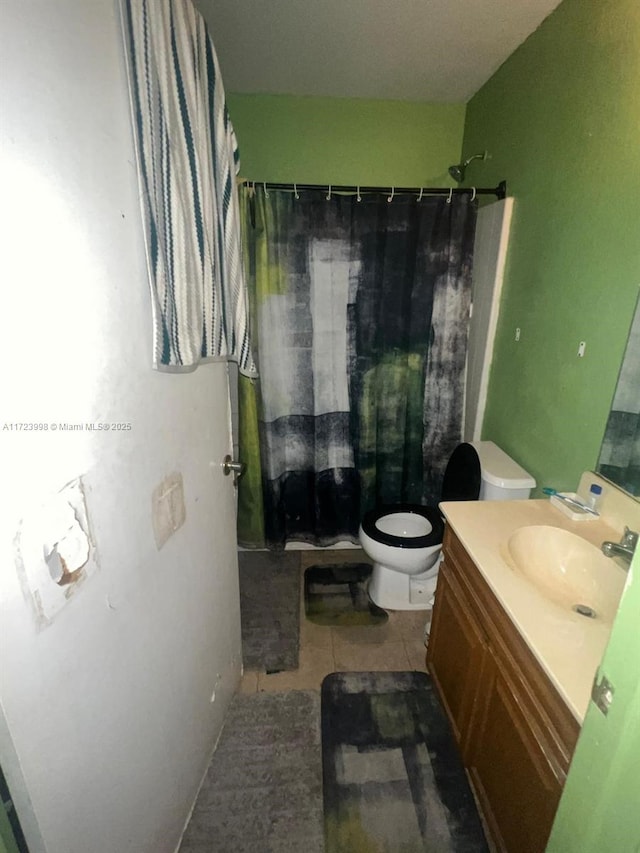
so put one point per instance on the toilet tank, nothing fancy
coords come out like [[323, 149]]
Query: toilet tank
[[502, 479]]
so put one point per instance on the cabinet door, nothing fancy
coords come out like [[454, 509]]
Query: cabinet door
[[515, 778], [456, 653]]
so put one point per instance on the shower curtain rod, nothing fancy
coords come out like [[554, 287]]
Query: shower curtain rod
[[500, 191]]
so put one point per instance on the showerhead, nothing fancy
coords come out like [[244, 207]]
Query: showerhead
[[457, 171]]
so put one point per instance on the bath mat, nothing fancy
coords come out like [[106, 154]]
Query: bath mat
[[263, 790], [337, 595], [269, 610], [393, 780]]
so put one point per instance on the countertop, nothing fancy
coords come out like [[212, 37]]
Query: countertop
[[568, 646]]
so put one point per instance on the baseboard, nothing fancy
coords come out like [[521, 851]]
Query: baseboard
[[204, 775]]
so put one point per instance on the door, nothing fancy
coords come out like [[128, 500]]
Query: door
[[600, 806], [511, 764]]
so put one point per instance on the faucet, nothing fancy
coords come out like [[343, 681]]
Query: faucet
[[625, 548]]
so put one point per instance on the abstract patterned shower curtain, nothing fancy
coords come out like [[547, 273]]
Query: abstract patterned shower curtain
[[359, 312]]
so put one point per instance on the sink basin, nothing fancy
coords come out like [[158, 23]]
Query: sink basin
[[567, 570]]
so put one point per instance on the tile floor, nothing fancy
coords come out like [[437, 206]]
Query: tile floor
[[396, 645]]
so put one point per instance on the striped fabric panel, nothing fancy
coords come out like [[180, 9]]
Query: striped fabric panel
[[188, 159]]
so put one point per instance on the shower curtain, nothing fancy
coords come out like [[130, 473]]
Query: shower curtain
[[359, 313]]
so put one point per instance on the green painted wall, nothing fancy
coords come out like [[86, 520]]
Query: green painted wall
[[600, 806], [346, 140], [561, 120], [7, 838]]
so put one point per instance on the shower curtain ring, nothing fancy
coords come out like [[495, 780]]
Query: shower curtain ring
[[421, 191], [264, 186], [390, 198], [329, 193], [473, 194], [450, 195], [358, 196], [295, 191]]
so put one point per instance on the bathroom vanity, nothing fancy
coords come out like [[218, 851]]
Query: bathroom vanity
[[515, 732], [513, 662]]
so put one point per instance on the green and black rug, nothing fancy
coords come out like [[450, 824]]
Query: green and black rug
[[393, 780], [337, 595]]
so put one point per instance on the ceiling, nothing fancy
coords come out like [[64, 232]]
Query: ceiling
[[411, 50]]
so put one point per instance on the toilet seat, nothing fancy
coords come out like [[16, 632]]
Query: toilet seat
[[461, 482], [430, 513]]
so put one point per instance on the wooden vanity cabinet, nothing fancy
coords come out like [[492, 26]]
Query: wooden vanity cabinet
[[456, 653], [515, 733]]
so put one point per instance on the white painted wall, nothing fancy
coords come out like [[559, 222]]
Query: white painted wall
[[106, 723], [489, 257]]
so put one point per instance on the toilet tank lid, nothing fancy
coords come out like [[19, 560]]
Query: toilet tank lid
[[499, 469]]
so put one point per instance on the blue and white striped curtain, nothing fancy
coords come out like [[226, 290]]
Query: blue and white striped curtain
[[188, 161]]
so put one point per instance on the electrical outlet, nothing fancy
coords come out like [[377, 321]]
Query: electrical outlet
[[54, 551]]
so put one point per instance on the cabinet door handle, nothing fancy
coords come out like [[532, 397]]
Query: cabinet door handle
[[602, 694]]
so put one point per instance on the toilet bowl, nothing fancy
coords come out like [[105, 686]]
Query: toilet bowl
[[405, 540]]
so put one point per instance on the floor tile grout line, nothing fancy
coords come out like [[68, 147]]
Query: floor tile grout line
[[333, 646], [319, 649]]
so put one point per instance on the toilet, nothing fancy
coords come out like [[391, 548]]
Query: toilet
[[405, 540]]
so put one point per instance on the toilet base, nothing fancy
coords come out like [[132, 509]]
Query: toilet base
[[394, 590]]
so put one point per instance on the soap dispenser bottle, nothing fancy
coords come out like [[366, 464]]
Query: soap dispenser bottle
[[595, 494]]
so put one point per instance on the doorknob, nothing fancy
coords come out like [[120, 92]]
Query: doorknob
[[229, 466]]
